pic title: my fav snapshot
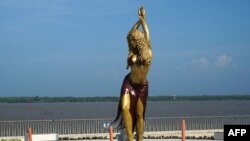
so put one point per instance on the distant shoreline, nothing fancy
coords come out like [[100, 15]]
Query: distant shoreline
[[37, 99]]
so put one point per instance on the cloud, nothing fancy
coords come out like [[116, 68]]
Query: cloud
[[221, 61], [202, 62]]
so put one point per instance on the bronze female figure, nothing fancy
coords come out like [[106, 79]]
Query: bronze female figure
[[134, 90]]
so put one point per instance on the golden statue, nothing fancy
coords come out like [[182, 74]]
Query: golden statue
[[134, 90]]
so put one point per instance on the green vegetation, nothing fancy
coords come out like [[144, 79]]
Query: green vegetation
[[37, 99], [200, 98]]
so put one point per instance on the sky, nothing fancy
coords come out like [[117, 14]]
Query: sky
[[78, 47]]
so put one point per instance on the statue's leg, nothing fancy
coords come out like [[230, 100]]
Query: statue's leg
[[139, 119], [127, 118]]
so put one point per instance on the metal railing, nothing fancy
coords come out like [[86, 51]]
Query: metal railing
[[88, 126]]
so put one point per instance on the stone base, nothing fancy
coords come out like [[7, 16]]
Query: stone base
[[42, 137], [219, 135]]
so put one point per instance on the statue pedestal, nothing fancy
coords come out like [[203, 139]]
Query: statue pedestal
[[42, 137]]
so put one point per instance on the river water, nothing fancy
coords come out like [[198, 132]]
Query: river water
[[101, 110]]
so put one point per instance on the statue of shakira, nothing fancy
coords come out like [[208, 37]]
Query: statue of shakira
[[134, 91]]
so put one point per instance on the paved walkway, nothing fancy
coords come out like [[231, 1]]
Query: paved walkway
[[161, 140]]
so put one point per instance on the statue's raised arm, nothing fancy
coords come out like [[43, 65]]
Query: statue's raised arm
[[142, 19], [142, 22], [139, 42]]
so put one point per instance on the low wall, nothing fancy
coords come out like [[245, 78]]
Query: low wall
[[190, 134], [17, 138], [42, 137], [219, 135]]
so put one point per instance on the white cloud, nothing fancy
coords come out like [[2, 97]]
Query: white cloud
[[202, 62], [222, 61]]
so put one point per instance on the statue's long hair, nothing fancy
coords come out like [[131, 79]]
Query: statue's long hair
[[141, 46]]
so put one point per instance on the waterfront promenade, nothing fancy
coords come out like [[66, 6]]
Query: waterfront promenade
[[155, 140], [105, 137], [44, 119], [94, 126], [162, 140]]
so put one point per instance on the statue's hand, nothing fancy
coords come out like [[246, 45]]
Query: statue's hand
[[141, 12]]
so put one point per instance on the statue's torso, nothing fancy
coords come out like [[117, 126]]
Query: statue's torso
[[139, 73]]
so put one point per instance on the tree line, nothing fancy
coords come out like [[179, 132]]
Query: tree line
[[37, 99]]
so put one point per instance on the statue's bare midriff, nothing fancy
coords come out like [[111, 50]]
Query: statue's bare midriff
[[139, 73]]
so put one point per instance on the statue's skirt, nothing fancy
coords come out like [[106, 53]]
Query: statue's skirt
[[136, 91]]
